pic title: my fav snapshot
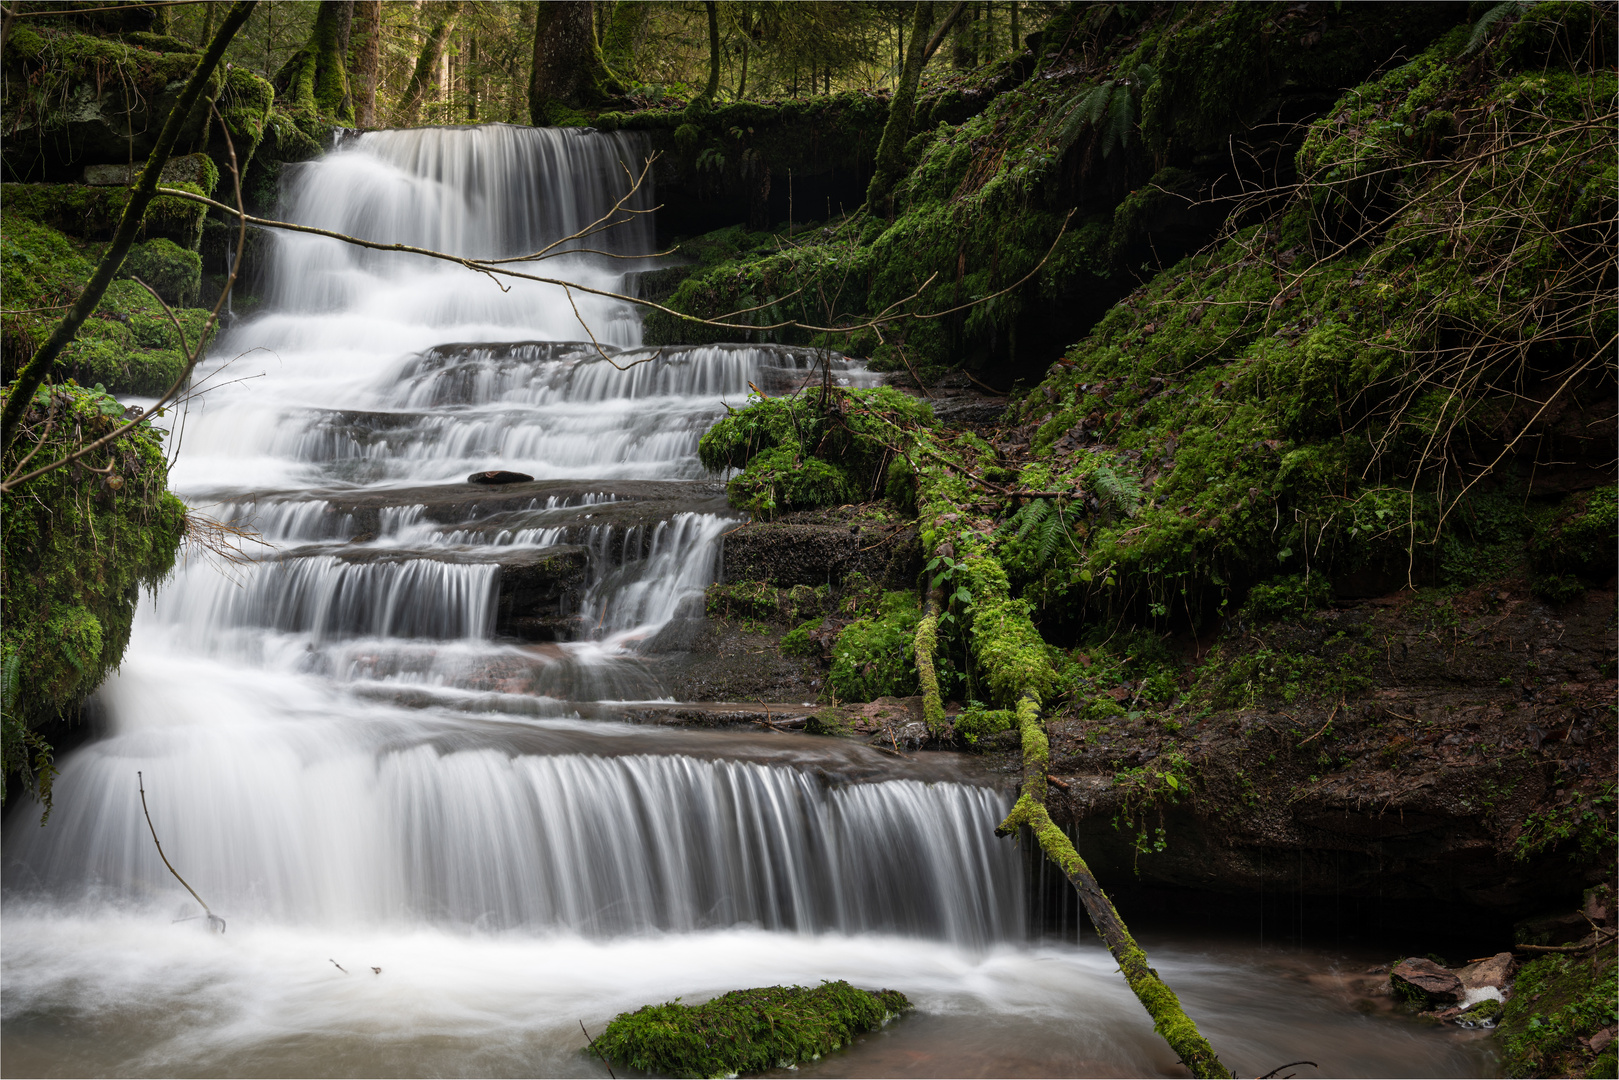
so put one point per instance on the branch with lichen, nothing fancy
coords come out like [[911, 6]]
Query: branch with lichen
[[1014, 663], [927, 676]]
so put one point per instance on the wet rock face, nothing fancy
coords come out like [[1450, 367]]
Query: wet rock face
[[792, 552], [539, 595]]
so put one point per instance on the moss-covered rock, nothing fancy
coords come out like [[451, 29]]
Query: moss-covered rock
[[93, 212], [809, 450], [129, 345], [78, 545], [76, 99], [875, 656], [746, 1031]]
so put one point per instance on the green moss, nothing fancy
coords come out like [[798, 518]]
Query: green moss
[[849, 435], [1557, 1001], [875, 656], [77, 547], [93, 213], [977, 722], [828, 722], [742, 600], [797, 641], [173, 271], [746, 1031], [129, 345]]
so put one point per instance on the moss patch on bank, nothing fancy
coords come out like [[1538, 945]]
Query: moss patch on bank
[[78, 545], [129, 345], [1557, 1004], [746, 1031]]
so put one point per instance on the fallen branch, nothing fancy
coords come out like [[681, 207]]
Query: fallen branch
[[213, 920]]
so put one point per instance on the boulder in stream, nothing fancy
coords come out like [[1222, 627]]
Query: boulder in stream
[[1424, 983], [499, 476]]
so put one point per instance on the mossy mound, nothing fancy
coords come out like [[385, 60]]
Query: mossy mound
[[746, 1031], [875, 656], [129, 346], [1116, 121], [1558, 1001], [77, 547], [814, 449]]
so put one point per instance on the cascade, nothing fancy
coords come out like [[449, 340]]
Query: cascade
[[351, 756]]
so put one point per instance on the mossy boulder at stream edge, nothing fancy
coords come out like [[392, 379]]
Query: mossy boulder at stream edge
[[746, 1031], [78, 545]]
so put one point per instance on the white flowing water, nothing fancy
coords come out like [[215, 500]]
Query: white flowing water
[[429, 864]]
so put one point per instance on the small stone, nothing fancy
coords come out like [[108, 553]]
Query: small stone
[[499, 476], [1601, 1040]]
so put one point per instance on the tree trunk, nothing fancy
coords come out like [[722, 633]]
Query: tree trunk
[[621, 36], [316, 79], [1017, 43], [472, 80], [713, 86], [20, 395], [891, 150], [944, 28], [365, 58], [568, 72], [965, 47], [208, 11], [427, 64]]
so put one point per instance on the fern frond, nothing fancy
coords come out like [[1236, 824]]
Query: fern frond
[[1120, 118], [1481, 29], [1121, 490]]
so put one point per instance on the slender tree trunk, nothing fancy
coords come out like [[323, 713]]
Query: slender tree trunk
[[472, 80], [568, 71], [427, 64], [208, 12], [943, 28], [21, 392], [366, 57], [742, 83], [713, 86], [1017, 42], [891, 150], [1169, 1020]]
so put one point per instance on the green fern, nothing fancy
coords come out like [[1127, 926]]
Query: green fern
[[1041, 524], [1118, 489], [1481, 29], [1111, 109]]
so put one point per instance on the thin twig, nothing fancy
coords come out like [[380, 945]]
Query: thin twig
[[140, 781]]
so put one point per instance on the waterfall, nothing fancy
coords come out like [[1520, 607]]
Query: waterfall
[[345, 739]]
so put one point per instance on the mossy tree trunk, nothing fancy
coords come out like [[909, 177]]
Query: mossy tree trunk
[[1012, 658], [621, 35], [713, 86], [316, 79], [21, 392], [568, 72], [1169, 1019], [365, 59], [425, 75], [891, 150]]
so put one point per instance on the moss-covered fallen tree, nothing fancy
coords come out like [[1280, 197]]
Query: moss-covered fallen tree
[[745, 1031]]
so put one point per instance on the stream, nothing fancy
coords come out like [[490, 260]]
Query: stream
[[436, 850]]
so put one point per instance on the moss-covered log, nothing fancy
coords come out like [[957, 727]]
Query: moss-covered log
[[745, 1031], [927, 675]]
